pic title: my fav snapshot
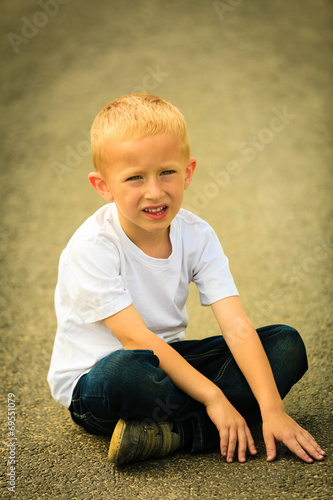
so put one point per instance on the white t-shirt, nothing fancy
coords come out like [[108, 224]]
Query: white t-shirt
[[102, 271]]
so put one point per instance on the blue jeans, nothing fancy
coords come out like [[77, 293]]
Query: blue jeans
[[130, 385]]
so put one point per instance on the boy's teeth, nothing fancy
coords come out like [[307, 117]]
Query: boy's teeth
[[154, 210]]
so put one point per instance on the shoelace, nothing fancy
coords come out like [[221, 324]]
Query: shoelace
[[153, 441]]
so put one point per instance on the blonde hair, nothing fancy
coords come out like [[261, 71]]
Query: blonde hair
[[133, 117]]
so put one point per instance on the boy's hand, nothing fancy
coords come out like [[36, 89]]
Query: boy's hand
[[279, 427], [232, 429]]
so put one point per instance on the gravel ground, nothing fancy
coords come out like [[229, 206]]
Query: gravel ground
[[253, 81]]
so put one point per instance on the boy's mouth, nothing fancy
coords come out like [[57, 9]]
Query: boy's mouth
[[156, 212]]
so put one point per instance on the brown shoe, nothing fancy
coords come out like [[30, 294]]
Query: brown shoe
[[133, 441]]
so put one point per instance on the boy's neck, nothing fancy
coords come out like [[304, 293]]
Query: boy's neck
[[157, 245]]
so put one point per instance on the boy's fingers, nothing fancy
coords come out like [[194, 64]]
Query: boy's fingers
[[224, 439], [270, 447], [230, 438], [231, 445], [242, 446], [296, 448], [306, 448], [250, 442], [313, 447]]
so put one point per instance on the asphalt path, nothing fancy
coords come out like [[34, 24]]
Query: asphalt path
[[253, 80]]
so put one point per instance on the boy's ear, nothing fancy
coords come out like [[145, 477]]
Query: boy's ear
[[98, 183], [192, 163]]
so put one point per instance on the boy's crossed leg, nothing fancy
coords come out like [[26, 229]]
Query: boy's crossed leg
[[129, 385]]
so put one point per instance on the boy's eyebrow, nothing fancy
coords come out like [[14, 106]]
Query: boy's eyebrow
[[170, 164], [163, 165]]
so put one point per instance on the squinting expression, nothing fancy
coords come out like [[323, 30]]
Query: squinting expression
[[146, 178]]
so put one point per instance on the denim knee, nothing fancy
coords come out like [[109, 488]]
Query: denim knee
[[293, 348], [114, 388], [287, 355], [121, 368]]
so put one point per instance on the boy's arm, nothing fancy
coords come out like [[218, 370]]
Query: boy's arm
[[251, 358], [130, 329]]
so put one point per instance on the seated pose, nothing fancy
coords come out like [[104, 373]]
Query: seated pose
[[120, 360]]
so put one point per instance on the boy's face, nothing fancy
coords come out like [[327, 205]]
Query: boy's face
[[146, 178]]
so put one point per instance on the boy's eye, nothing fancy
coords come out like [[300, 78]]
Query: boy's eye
[[168, 172], [134, 178]]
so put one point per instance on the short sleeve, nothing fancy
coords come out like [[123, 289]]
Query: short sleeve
[[211, 273], [90, 278]]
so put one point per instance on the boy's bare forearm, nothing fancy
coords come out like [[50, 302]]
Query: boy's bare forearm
[[253, 362], [248, 352], [182, 374], [131, 331]]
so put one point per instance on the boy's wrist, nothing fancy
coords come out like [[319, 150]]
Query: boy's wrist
[[213, 395], [271, 408]]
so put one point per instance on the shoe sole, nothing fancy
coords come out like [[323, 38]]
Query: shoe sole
[[115, 442]]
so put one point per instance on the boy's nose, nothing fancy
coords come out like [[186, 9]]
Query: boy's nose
[[154, 190]]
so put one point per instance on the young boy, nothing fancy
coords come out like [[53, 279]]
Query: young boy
[[120, 362]]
